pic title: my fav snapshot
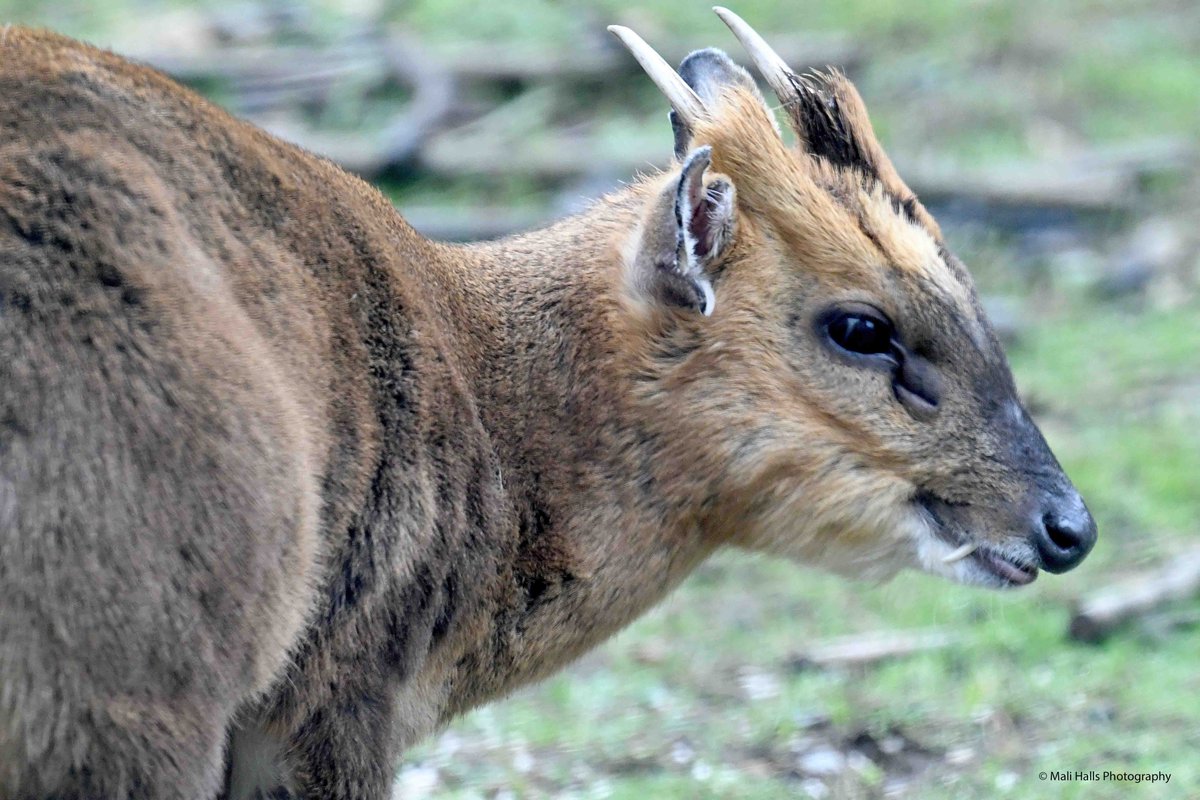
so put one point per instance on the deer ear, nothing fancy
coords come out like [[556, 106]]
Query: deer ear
[[710, 72], [688, 230]]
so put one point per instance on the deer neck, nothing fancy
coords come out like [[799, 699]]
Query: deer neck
[[600, 532]]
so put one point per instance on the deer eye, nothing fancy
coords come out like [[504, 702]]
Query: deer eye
[[859, 332]]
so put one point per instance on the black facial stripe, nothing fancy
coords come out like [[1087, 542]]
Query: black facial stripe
[[875, 240], [907, 208], [953, 264]]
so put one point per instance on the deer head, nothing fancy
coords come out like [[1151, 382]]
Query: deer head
[[829, 352]]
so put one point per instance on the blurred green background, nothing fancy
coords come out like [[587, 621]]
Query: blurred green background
[[1057, 143]]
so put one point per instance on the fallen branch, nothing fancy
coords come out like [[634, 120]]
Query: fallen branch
[[546, 157], [368, 155], [492, 62], [1098, 615], [1110, 183], [869, 648], [478, 60], [264, 76], [472, 224], [1103, 178], [269, 74], [1028, 185]]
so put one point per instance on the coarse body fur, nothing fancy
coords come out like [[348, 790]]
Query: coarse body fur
[[319, 472], [285, 486]]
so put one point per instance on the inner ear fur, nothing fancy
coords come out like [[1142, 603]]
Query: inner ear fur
[[687, 229]]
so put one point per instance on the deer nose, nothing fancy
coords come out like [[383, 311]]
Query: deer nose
[[1065, 534]]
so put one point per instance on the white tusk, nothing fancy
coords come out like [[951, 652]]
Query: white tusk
[[774, 69], [960, 553], [686, 103]]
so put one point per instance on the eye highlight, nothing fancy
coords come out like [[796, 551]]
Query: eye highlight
[[860, 332]]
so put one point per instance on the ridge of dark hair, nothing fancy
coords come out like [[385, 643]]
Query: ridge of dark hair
[[823, 127]]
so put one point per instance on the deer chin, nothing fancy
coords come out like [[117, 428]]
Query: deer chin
[[886, 533]]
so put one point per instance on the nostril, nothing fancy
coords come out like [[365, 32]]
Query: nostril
[[1063, 536], [1063, 540]]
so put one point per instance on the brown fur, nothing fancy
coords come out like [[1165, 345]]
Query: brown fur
[[277, 471]]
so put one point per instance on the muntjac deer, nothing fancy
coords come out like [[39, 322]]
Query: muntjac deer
[[285, 486]]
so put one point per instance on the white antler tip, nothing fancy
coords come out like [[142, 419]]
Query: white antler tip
[[685, 102], [773, 68]]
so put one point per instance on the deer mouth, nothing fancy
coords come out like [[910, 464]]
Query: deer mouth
[[1008, 570], [985, 564]]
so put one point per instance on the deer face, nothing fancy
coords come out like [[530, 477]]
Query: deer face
[[841, 375]]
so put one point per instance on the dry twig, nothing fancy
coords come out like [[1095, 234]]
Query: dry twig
[[1099, 614], [869, 648]]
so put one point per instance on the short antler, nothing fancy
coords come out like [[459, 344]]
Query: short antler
[[772, 67], [686, 103]]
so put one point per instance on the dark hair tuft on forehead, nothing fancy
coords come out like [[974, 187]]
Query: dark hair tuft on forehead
[[827, 131]]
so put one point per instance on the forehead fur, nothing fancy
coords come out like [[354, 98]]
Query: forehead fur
[[836, 197]]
